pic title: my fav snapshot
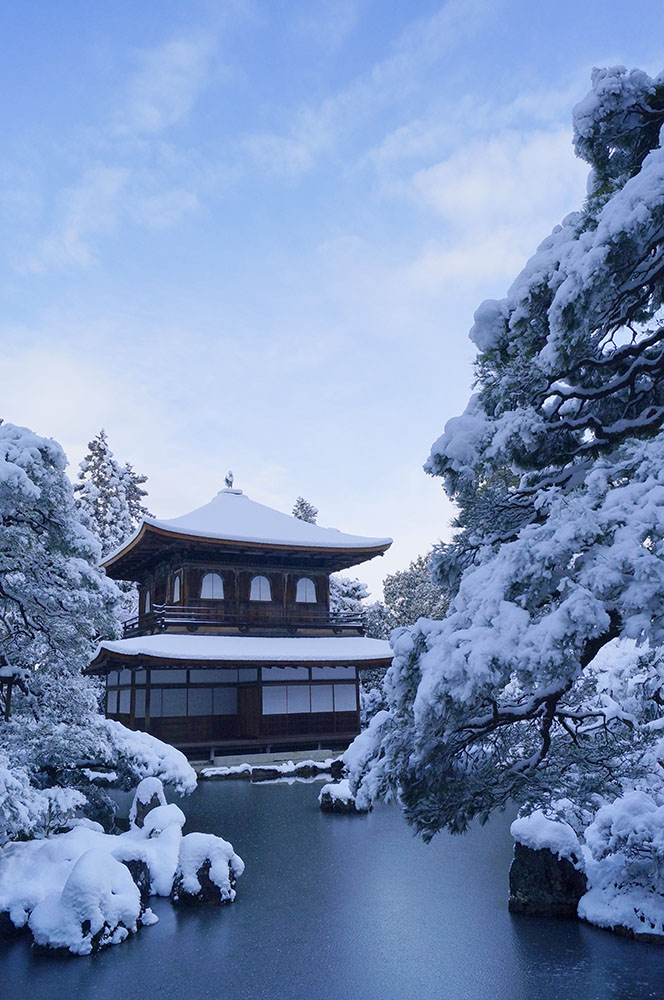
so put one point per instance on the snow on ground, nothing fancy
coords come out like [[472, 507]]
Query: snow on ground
[[73, 892], [99, 900]]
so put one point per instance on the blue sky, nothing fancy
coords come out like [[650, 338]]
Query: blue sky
[[253, 234]]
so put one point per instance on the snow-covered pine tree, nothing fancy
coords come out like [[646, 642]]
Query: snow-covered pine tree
[[110, 494], [557, 470], [54, 605], [304, 510], [347, 595]]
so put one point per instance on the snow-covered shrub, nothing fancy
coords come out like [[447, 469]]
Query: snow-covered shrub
[[141, 755], [625, 865]]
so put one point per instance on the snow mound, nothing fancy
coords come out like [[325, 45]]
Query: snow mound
[[150, 756], [159, 819], [338, 790], [539, 832], [148, 789], [99, 905], [338, 797], [204, 856], [81, 890]]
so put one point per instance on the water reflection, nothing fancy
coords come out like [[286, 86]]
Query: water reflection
[[344, 907]]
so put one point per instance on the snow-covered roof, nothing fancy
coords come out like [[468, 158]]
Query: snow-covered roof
[[301, 649], [233, 516]]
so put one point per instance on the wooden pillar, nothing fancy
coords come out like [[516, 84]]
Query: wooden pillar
[[148, 674]]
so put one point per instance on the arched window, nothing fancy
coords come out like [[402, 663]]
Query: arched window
[[260, 589], [212, 586], [176, 588], [147, 603], [306, 591]]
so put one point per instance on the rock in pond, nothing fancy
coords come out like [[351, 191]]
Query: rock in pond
[[543, 884], [337, 797], [207, 871]]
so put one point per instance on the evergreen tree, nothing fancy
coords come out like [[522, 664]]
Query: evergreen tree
[[408, 594], [55, 603], [304, 510], [556, 469], [110, 495], [347, 595]]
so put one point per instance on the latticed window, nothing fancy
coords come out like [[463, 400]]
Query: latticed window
[[306, 591], [212, 586], [260, 589]]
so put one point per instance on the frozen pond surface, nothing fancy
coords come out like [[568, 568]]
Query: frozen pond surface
[[345, 907]]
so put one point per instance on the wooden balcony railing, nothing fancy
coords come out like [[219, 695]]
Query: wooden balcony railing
[[164, 617]]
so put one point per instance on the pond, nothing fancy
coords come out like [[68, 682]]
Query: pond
[[343, 907]]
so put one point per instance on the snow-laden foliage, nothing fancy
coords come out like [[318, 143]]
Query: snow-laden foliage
[[347, 595], [557, 468], [55, 603], [304, 510], [110, 494], [408, 594]]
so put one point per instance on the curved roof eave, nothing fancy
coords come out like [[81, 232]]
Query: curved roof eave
[[171, 648], [378, 548]]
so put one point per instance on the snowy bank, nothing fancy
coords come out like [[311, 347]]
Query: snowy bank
[[609, 875], [268, 772], [78, 890]]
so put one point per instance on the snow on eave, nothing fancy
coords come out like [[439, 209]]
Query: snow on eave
[[378, 547], [248, 649]]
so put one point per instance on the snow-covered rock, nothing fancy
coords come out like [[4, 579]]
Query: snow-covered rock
[[148, 795], [547, 875], [337, 797], [99, 905], [269, 772], [86, 889], [539, 832], [208, 868]]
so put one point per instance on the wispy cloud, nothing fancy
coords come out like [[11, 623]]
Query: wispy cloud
[[85, 211], [129, 172], [327, 23], [316, 129], [510, 177], [166, 84]]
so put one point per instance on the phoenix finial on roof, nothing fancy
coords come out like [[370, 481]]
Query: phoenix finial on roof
[[229, 480]]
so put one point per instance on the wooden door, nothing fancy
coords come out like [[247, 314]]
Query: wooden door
[[249, 711]]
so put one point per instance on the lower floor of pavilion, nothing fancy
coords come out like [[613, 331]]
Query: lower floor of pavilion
[[304, 695]]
